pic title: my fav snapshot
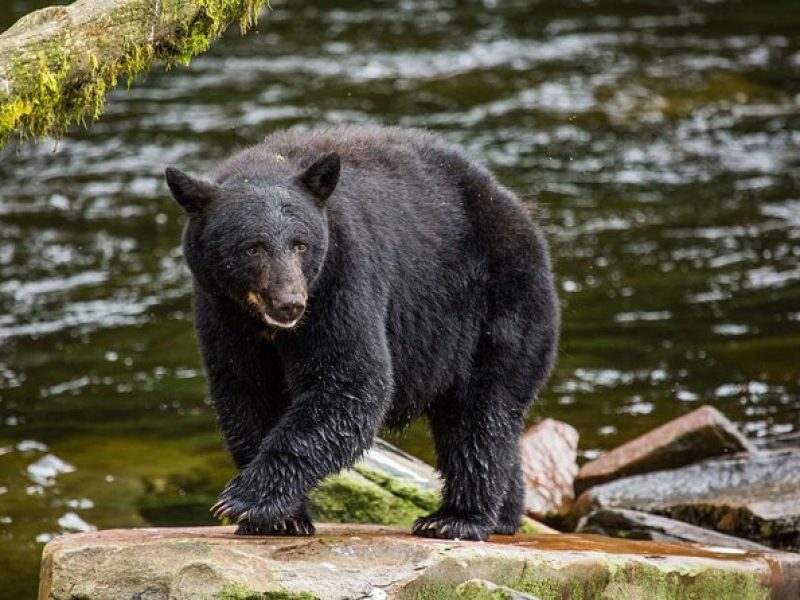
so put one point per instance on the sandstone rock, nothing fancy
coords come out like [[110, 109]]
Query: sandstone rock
[[700, 434], [636, 525], [754, 496], [361, 561], [548, 452]]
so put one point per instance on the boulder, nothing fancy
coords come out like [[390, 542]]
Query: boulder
[[360, 561], [548, 452], [636, 525], [754, 496], [700, 434]]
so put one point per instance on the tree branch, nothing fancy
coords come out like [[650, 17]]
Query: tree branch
[[57, 63]]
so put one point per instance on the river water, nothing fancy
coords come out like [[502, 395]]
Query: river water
[[659, 141]]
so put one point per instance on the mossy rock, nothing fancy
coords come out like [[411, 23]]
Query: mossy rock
[[388, 487]]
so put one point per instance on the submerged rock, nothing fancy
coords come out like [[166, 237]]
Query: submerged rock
[[548, 452], [358, 561], [636, 525], [700, 434], [754, 496]]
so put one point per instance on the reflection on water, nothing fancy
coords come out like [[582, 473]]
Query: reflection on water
[[660, 142]]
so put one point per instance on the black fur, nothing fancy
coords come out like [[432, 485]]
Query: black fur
[[424, 288]]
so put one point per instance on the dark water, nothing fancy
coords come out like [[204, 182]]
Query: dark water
[[661, 142]]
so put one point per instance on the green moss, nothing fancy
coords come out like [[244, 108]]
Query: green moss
[[533, 526], [349, 497], [431, 591], [630, 579], [50, 98], [425, 499], [478, 589], [617, 577], [242, 592]]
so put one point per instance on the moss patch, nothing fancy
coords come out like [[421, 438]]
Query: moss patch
[[349, 497], [424, 499], [632, 579], [615, 577], [242, 592], [69, 84]]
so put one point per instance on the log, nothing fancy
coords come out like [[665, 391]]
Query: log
[[57, 63]]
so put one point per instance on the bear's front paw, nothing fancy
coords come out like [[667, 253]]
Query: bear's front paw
[[452, 526], [295, 525]]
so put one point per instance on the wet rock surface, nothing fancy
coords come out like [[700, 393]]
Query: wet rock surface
[[697, 435], [358, 561], [636, 525], [548, 452], [754, 496]]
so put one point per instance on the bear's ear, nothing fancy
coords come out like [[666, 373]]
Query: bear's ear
[[321, 178], [192, 194]]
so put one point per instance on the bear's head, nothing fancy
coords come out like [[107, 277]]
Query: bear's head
[[261, 241]]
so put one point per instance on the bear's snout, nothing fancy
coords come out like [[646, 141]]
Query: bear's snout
[[288, 308], [281, 308]]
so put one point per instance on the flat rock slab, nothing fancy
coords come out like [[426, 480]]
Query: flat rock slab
[[361, 561], [700, 434], [754, 496]]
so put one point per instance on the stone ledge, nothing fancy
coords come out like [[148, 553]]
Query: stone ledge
[[363, 561]]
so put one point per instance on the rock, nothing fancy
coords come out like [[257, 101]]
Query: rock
[[700, 434], [480, 589], [548, 452], [779, 442], [754, 496], [358, 561], [635, 525], [387, 487]]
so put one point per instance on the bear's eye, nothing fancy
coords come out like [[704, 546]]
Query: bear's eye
[[252, 250], [300, 247]]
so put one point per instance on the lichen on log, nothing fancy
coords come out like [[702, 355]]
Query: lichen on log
[[57, 63]]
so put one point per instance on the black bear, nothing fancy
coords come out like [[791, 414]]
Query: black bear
[[352, 277]]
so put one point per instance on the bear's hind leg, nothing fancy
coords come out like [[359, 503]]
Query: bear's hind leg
[[475, 449], [510, 515]]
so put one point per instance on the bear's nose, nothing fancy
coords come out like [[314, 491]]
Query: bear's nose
[[288, 309]]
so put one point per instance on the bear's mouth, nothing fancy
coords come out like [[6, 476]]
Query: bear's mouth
[[257, 302], [272, 322]]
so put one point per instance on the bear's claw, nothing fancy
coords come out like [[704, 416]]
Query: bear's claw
[[452, 527], [294, 526]]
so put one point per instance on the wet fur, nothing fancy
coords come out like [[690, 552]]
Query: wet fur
[[430, 293]]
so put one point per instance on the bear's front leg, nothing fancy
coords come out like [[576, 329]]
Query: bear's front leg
[[244, 375], [327, 427]]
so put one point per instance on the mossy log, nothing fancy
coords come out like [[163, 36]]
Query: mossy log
[[57, 63]]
